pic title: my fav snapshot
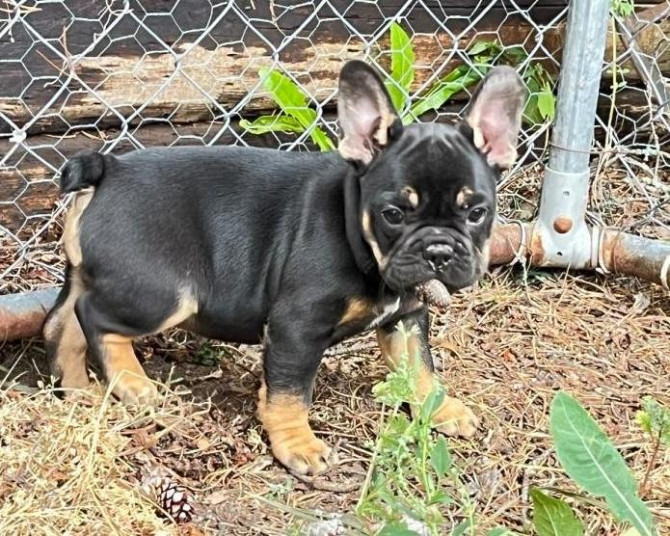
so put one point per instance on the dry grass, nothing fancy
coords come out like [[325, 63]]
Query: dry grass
[[507, 347], [62, 469]]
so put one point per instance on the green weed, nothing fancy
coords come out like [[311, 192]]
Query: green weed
[[296, 116]]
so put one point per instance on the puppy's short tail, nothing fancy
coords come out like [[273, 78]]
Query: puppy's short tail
[[84, 170]]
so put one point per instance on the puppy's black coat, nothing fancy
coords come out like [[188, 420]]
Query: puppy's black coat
[[300, 250]]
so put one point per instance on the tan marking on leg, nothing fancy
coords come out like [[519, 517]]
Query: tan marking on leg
[[370, 239], [463, 197], [358, 310], [71, 241], [66, 340], [186, 308], [124, 372], [284, 417], [411, 195], [452, 417]]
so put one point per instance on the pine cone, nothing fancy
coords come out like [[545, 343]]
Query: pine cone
[[170, 496]]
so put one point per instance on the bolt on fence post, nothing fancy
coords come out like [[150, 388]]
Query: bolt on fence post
[[561, 237]]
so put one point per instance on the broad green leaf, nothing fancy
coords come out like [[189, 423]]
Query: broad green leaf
[[484, 46], [397, 528], [546, 104], [553, 517], [461, 528], [591, 460], [285, 123], [321, 139], [462, 77], [288, 96], [440, 458], [432, 403], [515, 54], [271, 123], [402, 66], [293, 102], [441, 497]]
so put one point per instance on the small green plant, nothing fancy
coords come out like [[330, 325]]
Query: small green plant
[[654, 419], [591, 460], [406, 480], [412, 477], [553, 517], [206, 355], [297, 117], [623, 8], [483, 55]]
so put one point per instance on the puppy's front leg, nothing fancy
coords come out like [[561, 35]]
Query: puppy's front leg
[[292, 357], [453, 417]]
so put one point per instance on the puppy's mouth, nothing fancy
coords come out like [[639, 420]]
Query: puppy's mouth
[[432, 265]]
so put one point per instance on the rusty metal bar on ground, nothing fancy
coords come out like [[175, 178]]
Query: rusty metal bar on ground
[[612, 251], [22, 315]]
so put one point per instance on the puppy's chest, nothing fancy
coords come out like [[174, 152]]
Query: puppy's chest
[[363, 313]]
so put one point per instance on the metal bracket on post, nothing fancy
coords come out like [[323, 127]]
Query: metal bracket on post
[[561, 236]]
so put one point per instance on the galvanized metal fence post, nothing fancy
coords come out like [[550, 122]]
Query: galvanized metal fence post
[[561, 229]]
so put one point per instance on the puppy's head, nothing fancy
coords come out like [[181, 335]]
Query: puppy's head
[[427, 191]]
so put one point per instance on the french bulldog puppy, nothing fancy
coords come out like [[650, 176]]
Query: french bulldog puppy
[[298, 250]]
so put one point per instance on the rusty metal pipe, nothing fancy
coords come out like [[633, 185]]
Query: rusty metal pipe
[[22, 315], [624, 253], [614, 251]]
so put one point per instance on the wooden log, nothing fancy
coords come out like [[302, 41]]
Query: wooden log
[[27, 187], [158, 68]]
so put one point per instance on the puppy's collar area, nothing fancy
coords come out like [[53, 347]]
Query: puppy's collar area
[[361, 251]]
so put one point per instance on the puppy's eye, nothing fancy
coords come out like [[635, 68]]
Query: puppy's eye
[[393, 215], [477, 215]]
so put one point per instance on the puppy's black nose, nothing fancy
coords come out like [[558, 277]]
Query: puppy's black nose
[[438, 256]]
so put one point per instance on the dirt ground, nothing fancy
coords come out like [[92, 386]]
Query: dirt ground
[[77, 467], [506, 347]]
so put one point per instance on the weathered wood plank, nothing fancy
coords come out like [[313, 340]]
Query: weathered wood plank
[[27, 188], [154, 69]]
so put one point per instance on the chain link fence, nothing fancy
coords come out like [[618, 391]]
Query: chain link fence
[[120, 75]]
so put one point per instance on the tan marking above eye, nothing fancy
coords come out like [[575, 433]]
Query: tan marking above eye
[[463, 197], [411, 195]]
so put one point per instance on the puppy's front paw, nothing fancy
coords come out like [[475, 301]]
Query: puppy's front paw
[[301, 452], [132, 388], [454, 418]]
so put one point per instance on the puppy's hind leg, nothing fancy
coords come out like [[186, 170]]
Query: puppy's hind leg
[[110, 340], [65, 342]]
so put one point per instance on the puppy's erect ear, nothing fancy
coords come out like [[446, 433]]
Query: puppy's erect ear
[[495, 115], [365, 112]]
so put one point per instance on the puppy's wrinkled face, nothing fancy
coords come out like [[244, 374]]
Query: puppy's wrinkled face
[[427, 191], [428, 206]]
